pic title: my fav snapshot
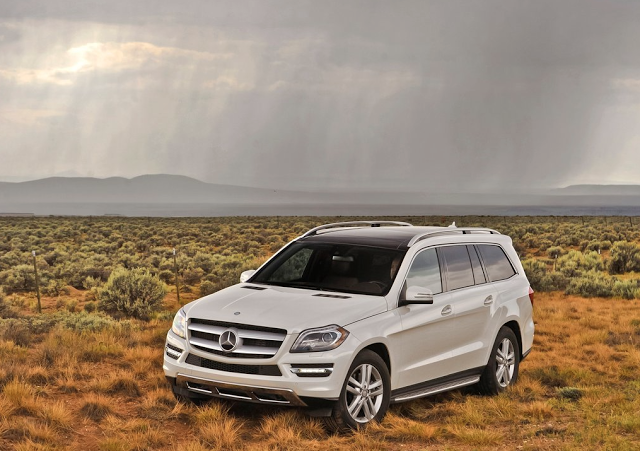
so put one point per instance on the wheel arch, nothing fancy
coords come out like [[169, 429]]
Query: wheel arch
[[382, 350]]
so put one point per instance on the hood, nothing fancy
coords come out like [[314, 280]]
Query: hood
[[293, 309]]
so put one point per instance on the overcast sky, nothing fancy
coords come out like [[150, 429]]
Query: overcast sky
[[441, 95]]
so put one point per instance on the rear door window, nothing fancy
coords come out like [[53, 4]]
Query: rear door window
[[459, 273], [496, 262]]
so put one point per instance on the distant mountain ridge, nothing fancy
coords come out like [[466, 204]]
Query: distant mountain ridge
[[154, 188], [176, 195], [600, 190]]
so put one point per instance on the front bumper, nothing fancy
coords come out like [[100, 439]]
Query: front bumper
[[239, 392], [287, 388]]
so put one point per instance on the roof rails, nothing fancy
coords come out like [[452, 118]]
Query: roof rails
[[451, 229], [315, 230]]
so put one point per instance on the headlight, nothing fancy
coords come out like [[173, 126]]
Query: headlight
[[320, 339], [179, 325]]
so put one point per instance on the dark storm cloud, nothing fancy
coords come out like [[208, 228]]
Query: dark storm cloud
[[441, 95]]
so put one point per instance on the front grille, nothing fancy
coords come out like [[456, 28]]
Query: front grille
[[262, 370], [255, 342]]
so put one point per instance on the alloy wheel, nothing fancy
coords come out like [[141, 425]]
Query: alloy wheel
[[506, 362], [364, 393]]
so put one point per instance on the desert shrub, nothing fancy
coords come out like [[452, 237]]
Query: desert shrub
[[605, 245], [575, 263], [625, 257], [555, 251], [18, 278], [92, 264], [207, 287], [135, 293], [610, 236], [206, 262], [55, 287], [570, 264], [553, 281], [16, 330], [91, 282], [165, 315], [626, 289], [90, 322], [535, 271], [519, 247], [592, 261], [166, 276], [6, 310], [530, 240], [191, 276], [597, 245], [591, 284], [545, 245], [567, 239], [21, 330], [90, 307]]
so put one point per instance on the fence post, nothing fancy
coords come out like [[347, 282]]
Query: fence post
[[175, 269], [35, 271]]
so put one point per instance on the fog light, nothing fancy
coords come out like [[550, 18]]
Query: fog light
[[321, 370], [173, 351]]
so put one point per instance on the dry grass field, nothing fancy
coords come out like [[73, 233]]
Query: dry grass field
[[579, 389], [73, 378]]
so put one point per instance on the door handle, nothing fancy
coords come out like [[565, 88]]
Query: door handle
[[488, 300], [446, 310]]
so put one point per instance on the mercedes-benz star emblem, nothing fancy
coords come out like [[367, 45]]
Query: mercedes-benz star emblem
[[229, 340]]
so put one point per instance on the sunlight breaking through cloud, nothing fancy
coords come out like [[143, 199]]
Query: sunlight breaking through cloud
[[111, 57]]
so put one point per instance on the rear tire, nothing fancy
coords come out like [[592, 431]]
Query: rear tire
[[504, 363], [365, 394]]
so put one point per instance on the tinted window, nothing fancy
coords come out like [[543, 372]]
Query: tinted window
[[459, 273], [478, 273], [292, 269], [496, 262], [332, 267], [425, 271]]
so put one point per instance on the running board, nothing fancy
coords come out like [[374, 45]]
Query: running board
[[434, 389]]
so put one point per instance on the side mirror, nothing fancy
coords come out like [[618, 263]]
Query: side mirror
[[416, 295], [246, 275]]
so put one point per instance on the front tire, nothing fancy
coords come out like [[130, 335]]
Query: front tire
[[365, 394], [504, 363]]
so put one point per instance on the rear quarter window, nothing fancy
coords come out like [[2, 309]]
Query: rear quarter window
[[496, 262]]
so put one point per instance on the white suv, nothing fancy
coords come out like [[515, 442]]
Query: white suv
[[352, 316]]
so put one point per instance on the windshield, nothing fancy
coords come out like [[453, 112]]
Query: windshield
[[333, 267]]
